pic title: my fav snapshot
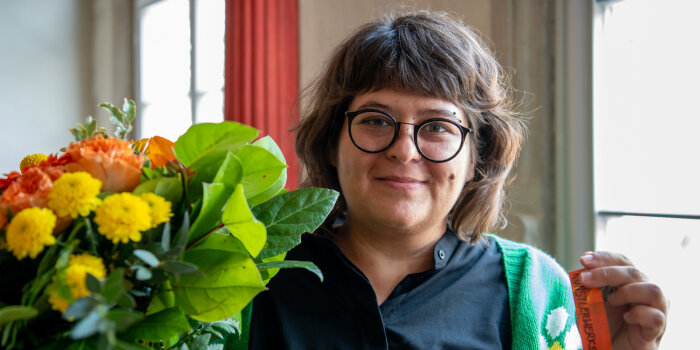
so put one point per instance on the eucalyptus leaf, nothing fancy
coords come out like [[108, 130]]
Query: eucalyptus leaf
[[200, 342], [289, 215], [286, 264], [147, 257], [80, 308], [16, 312], [214, 199], [87, 326], [239, 220], [159, 326], [229, 282], [205, 139], [143, 273], [261, 169]]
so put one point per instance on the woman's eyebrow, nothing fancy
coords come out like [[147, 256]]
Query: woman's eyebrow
[[375, 105]]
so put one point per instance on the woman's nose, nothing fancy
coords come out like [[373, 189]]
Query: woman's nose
[[404, 148]]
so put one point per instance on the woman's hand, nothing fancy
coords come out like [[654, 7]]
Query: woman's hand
[[636, 308]]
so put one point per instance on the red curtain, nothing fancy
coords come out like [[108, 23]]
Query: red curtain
[[262, 70]]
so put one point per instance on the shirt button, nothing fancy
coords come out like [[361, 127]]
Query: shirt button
[[441, 254]]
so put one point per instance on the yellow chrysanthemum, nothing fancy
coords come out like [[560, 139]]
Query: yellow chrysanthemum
[[30, 231], [57, 303], [74, 194], [32, 159], [122, 217], [160, 208], [79, 265]]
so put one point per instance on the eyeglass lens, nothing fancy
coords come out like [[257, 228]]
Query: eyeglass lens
[[437, 140]]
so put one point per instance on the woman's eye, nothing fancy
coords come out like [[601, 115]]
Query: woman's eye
[[436, 128], [375, 121]]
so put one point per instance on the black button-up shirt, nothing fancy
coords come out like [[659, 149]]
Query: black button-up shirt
[[462, 303]]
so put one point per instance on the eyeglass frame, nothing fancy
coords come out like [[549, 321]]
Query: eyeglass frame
[[464, 130]]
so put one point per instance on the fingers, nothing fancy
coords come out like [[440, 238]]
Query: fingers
[[611, 276], [591, 260], [642, 293], [652, 321]]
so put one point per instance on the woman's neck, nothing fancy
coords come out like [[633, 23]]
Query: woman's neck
[[385, 255]]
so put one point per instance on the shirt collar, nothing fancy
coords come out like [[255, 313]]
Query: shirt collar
[[445, 247]]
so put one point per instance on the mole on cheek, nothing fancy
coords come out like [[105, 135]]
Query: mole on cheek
[[452, 176]]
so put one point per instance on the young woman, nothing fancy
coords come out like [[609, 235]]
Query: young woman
[[411, 122]]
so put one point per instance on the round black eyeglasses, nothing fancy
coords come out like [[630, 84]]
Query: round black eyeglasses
[[437, 139]]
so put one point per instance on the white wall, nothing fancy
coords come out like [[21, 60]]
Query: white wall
[[44, 79]]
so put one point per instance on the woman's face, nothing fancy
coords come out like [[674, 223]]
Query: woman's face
[[397, 188]]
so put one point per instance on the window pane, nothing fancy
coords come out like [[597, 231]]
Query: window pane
[[210, 108], [210, 21], [646, 119], [169, 120], [668, 252], [164, 68]]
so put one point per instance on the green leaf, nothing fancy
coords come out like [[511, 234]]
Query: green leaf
[[178, 267], [92, 283], [123, 318], [270, 145], [147, 257], [169, 188], [230, 172], [206, 170], [159, 326], [261, 169], [268, 273], [286, 264], [115, 286], [230, 281], [16, 312], [215, 197], [200, 342], [291, 214], [221, 241], [239, 220], [205, 139]]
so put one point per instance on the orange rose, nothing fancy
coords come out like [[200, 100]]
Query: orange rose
[[109, 160]]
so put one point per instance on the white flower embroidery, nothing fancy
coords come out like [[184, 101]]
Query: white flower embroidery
[[556, 321], [543, 343], [573, 339]]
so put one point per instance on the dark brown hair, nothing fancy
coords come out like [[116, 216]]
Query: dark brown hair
[[431, 54]]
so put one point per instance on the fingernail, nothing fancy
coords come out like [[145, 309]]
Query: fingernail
[[587, 257], [585, 276], [626, 316]]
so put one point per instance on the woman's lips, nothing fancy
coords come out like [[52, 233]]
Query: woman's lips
[[400, 182]]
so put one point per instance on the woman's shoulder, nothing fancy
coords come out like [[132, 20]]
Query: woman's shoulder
[[525, 262]]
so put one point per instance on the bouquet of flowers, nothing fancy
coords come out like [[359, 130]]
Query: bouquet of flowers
[[147, 244]]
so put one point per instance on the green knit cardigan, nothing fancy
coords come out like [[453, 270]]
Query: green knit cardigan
[[542, 309]]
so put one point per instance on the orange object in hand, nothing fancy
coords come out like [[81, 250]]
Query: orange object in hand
[[590, 314]]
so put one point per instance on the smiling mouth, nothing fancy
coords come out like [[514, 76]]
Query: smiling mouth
[[401, 182]]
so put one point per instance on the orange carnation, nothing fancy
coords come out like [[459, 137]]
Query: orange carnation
[[28, 190], [109, 160]]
